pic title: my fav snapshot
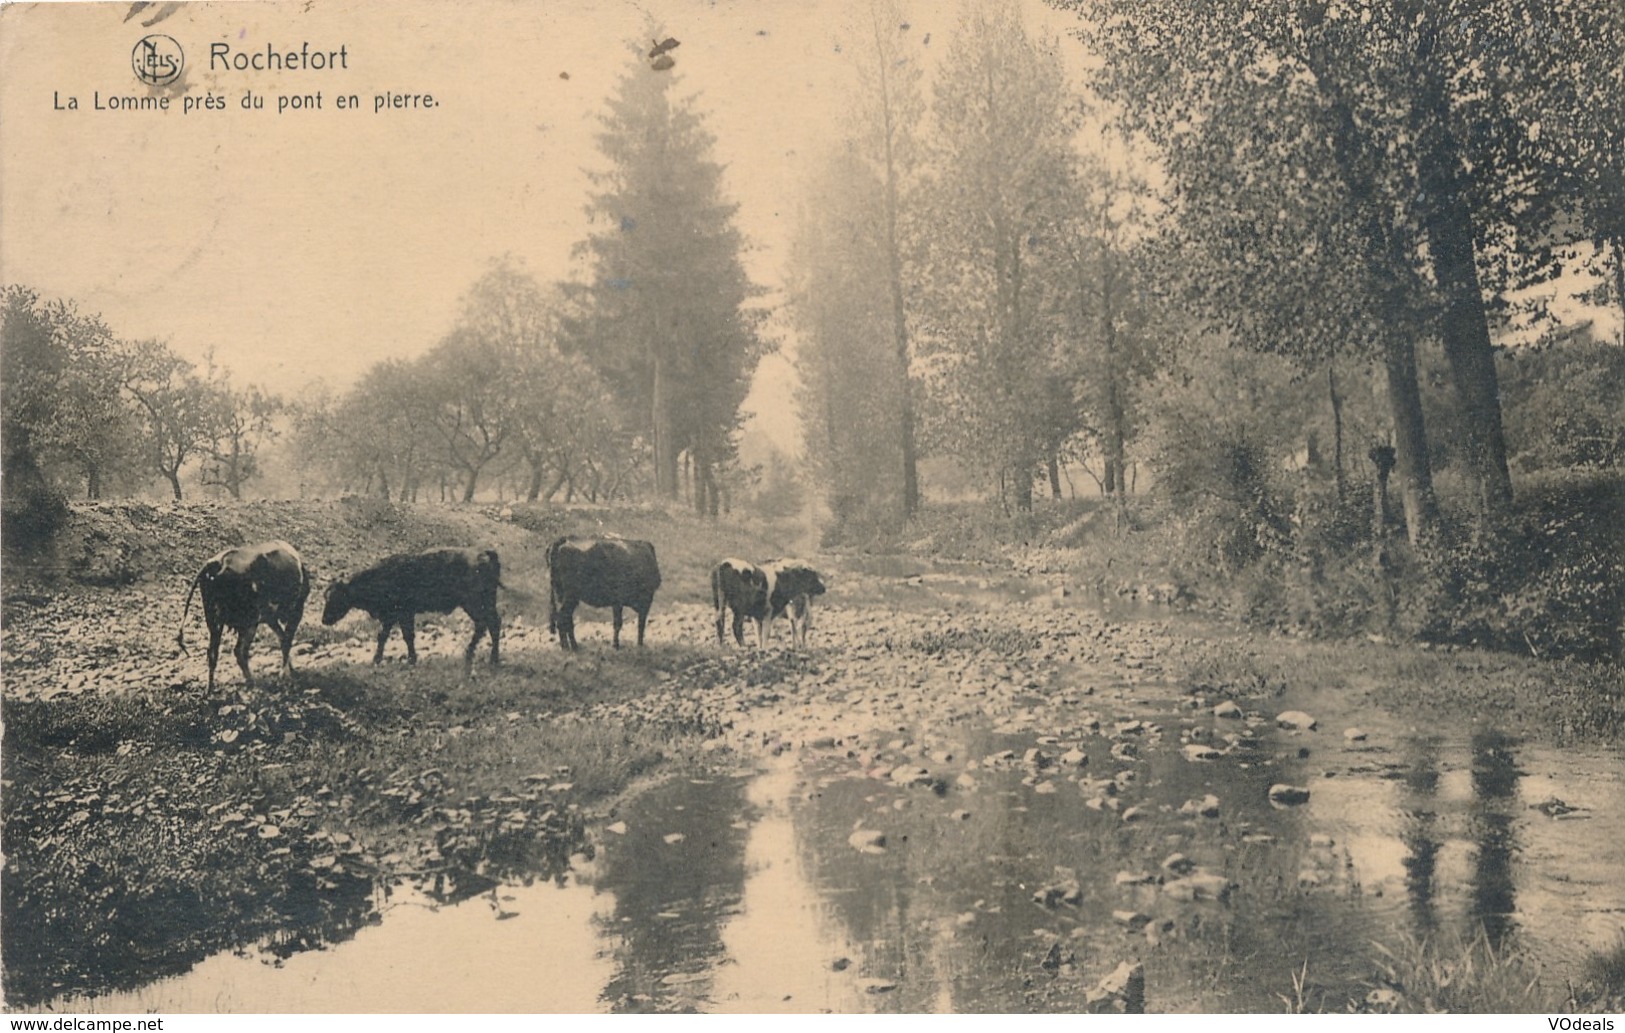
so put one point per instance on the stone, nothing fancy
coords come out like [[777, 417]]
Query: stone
[[1284, 794], [1075, 758], [1199, 752], [1207, 806], [1227, 709], [1130, 919], [1296, 720], [1354, 735], [1198, 885], [1122, 992], [1179, 864], [910, 776], [868, 841]]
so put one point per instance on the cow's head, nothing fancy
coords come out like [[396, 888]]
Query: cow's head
[[338, 603], [817, 586]]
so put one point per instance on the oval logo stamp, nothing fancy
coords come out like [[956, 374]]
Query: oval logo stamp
[[157, 59]]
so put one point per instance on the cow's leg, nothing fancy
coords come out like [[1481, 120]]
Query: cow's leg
[[761, 633], [567, 626], [291, 628], [245, 638], [739, 627], [409, 631], [619, 612], [214, 650], [473, 643], [383, 636], [643, 620], [722, 619], [493, 625]]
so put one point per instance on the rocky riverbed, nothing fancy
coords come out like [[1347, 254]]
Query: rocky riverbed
[[969, 793]]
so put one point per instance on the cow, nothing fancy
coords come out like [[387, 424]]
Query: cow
[[791, 587], [741, 586], [610, 571], [245, 587], [398, 588]]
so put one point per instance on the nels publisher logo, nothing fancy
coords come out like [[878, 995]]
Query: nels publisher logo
[[157, 60]]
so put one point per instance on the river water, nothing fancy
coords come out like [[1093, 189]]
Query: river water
[[818, 880]]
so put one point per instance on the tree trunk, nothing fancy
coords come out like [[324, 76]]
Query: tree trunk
[[1619, 283], [1467, 345], [1054, 464], [470, 484], [666, 484], [1382, 456], [1115, 431], [1410, 439], [558, 482], [1337, 432], [1021, 482], [93, 481], [894, 278], [174, 479]]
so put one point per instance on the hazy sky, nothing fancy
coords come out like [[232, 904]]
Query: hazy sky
[[312, 243]]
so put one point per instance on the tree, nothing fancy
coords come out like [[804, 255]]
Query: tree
[[665, 315], [63, 407], [241, 422], [177, 409], [1413, 124], [1002, 163], [843, 312], [889, 107]]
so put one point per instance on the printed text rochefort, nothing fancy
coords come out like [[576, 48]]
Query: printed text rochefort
[[222, 58]]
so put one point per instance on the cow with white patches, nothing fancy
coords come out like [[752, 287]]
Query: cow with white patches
[[741, 586], [243, 588], [791, 588]]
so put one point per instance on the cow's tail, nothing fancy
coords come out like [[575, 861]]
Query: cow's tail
[[552, 586], [496, 567], [180, 633]]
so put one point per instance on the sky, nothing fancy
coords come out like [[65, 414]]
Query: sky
[[310, 244]]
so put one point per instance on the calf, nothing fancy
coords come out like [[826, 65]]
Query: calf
[[395, 590], [741, 586], [791, 587], [610, 571], [243, 588]]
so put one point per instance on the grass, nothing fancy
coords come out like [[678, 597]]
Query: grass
[[191, 824], [1561, 701], [1454, 974]]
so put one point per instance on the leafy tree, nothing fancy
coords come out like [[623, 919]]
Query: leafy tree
[[242, 422], [63, 408], [889, 105], [1002, 163], [665, 316], [842, 310], [177, 409], [1403, 128]]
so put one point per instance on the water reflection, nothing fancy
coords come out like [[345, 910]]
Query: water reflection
[[1418, 830], [1495, 788], [745, 893], [675, 872]]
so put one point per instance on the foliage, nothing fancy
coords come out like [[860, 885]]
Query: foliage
[[997, 375], [847, 368], [665, 316]]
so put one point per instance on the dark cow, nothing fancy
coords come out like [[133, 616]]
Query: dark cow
[[395, 590], [610, 571], [741, 586], [244, 588], [791, 587]]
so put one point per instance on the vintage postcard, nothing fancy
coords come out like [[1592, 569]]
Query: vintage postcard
[[643, 506]]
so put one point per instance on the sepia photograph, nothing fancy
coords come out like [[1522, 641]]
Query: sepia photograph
[[812, 507]]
